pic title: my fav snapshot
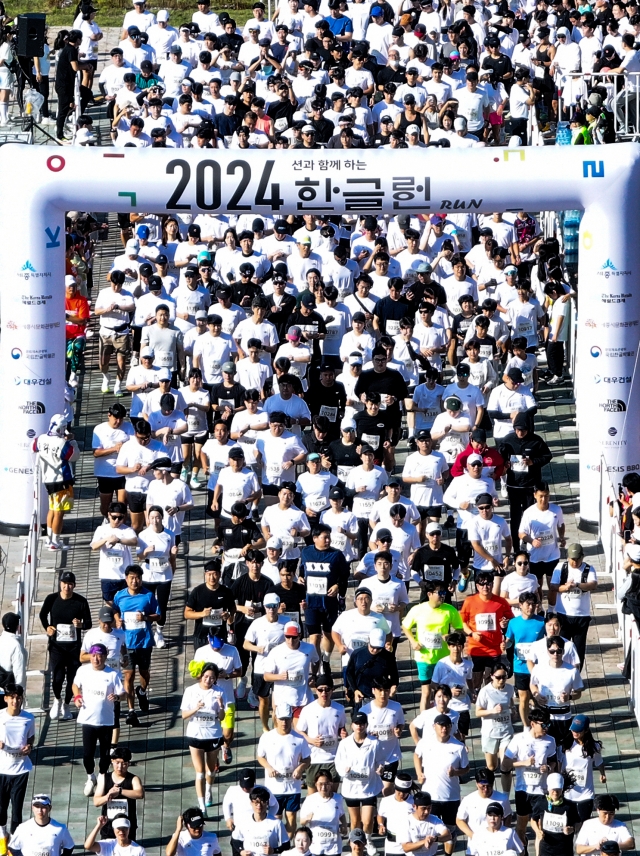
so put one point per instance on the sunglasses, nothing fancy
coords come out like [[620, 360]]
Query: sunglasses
[[476, 464], [485, 583], [522, 563], [323, 689], [117, 516], [484, 507], [555, 650], [500, 677]]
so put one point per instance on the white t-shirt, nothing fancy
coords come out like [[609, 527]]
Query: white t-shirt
[[265, 634], [325, 824], [552, 683], [112, 848], [354, 629], [490, 534], [473, 808], [106, 437], [382, 722], [436, 759], [112, 641], [593, 831], [543, 526], [95, 686], [133, 453], [281, 522], [413, 830], [522, 747], [236, 487], [113, 560], [275, 452], [284, 752], [485, 843], [156, 566], [582, 769], [385, 594], [206, 723], [297, 664], [174, 494], [574, 602], [496, 725], [34, 840], [218, 456], [206, 845], [395, 813], [15, 733], [325, 722]]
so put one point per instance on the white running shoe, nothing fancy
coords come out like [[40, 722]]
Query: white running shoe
[[54, 712], [372, 850], [241, 689], [159, 639], [90, 785], [208, 796], [105, 386]]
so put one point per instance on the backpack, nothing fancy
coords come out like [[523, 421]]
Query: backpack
[[564, 574]]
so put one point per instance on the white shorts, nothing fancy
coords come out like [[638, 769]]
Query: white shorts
[[6, 79], [494, 745]]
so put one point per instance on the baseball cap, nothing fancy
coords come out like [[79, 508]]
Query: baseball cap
[[357, 836], [247, 778], [313, 456], [336, 493], [554, 781], [377, 638], [291, 628], [271, 599], [132, 244], [105, 614], [497, 808], [193, 817], [452, 402], [229, 367], [163, 15], [163, 374], [579, 723], [433, 528], [360, 718], [510, 270], [442, 719], [474, 458], [274, 543], [575, 551], [347, 424], [460, 123], [424, 267], [294, 334], [67, 577], [284, 711], [413, 129], [611, 848], [175, 49], [41, 799], [376, 11], [515, 374]]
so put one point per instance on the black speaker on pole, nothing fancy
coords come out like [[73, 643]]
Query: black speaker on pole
[[31, 27]]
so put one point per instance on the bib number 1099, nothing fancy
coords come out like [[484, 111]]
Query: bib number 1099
[[209, 186]]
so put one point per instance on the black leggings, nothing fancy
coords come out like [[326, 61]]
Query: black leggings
[[63, 664], [12, 789], [91, 736], [162, 591], [65, 100]]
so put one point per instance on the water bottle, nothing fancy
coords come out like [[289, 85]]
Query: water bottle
[[563, 134]]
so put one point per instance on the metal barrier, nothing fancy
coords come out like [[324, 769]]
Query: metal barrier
[[26, 587], [613, 550], [624, 103]]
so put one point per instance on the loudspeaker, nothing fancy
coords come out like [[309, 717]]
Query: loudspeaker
[[31, 29]]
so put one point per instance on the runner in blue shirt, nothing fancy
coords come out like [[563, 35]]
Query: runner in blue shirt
[[528, 627], [136, 609]]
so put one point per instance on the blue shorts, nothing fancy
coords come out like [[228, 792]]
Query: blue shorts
[[425, 672], [288, 802], [110, 588], [319, 620]]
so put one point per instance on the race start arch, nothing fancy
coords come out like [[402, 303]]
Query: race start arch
[[40, 186]]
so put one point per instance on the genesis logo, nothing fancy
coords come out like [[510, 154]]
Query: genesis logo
[[596, 351], [16, 353], [597, 378], [612, 432]]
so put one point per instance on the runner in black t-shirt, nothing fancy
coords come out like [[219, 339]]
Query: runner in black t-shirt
[[291, 594], [249, 591], [209, 595], [386, 382], [373, 428], [435, 561], [67, 69]]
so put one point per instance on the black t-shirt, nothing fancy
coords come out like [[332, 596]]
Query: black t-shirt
[[425, 559], [57, 611], [344, 456], [280, 319], [65, 75], [459, 329], [245, 589], [235, 393], [226, 126], [203, 597], [244, 292], [501, 65], [292, 598], [372, 430], [387, 309], [380, 140], [556, 843], [236, 536], [282, 110], [388, 382], [334, 399]]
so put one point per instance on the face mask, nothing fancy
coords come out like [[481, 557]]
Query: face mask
[[394, 63]]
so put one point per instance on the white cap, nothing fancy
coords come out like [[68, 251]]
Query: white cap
[[412, 129], [163, 15], [347, 424], [58, 423], [474, 459], [133, 244], [633, 552], [377, 638], [146, 352], [460, 124], [163, 374], [433, 527], [274, 543], [271, 599], [284, 711], [70, 280], [120, 823], [555, 781], [292, 628], [355, 360]]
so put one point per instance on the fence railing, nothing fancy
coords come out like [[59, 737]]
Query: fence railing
[[613, 550], [623, 101], [26, 587]]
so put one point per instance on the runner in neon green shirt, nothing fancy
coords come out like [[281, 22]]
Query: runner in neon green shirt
[[432, 621]]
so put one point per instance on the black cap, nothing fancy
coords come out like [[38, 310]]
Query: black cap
[[193, 817], [423, 434], [495, 808], [360, 718], [11, 622], [442, 719], [67, 577], [247, 778]]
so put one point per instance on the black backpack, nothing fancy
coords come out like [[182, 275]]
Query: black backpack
[[564, 574]]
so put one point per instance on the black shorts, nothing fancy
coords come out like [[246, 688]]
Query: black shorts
[[358, 803], [463, 547], [140, 657], [526, 804], [522, 681], [111, 485], [205, 745], [542, 568], [136, 501], [446, 811], [430, 511], [585, 809], [389, 771], [464, 722], [321, 620], [480, 663], [260, 687], [56, 487], [198, 439], [270, 489], [176, 468]]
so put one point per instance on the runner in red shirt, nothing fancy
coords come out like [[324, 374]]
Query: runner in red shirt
[[485, 616]]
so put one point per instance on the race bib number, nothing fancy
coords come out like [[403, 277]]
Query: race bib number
[[502, 717], [338, 541], [545, 537], [362, 507], [219, 466], [327, 836], [330, 412], [115, 557], [316, 503], [532, 777], [343, 472], [66, 633], [274, 471], [317, 585], [525, 328], [432, 641], [193, 422], [433, 572], [214, 619], [329, 742], [486, 621], [157, 563], [287, 543], [580, 777], [116, 807], [296, 679], [357, 775], [517, 465], [356, 643], [392, 327], [332, 333], [486, 351], [131, 621], [522, 650], [383, 604], [372, 439], [164, 359], [554, 822]]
